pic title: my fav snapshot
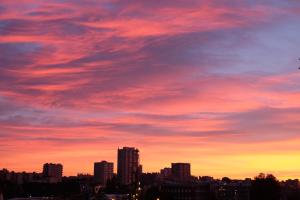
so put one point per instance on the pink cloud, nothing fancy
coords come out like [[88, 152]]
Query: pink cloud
[[78, 80]]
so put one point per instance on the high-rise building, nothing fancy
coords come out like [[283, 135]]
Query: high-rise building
[[129, 167], [181, 171], [103, 171], [53, 172]]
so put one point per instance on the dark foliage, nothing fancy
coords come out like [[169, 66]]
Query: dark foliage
[[265, 187]]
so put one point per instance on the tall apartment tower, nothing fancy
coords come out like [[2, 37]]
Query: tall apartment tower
[[103, 171], [53, 172], [181, 171], [129, 168]]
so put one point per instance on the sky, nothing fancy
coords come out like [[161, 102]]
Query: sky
[[210, 82]]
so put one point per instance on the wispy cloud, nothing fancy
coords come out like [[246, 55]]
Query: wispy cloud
[[189, 78]]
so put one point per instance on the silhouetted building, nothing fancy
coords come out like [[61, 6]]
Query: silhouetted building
[[19, 177], [233, 190], [290, 190], [129, 167], [103, 171], [166, 172], [181, 171], [179, 191], [206, 179], [53, 172], [149, 178]]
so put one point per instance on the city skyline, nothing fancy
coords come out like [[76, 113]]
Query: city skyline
[[211, 83], [128, 163]]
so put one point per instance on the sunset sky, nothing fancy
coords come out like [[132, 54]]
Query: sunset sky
[[210, 82]]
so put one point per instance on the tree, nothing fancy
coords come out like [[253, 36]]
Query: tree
[[265, 187]]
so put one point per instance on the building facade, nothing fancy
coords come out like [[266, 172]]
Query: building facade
[[103, 171], [181, 171], [129, 167], [53, 172], [166, 172]]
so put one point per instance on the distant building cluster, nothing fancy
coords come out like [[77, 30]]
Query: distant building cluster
[[52, 173], [19, 177], [130, 183], [128, 168]]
